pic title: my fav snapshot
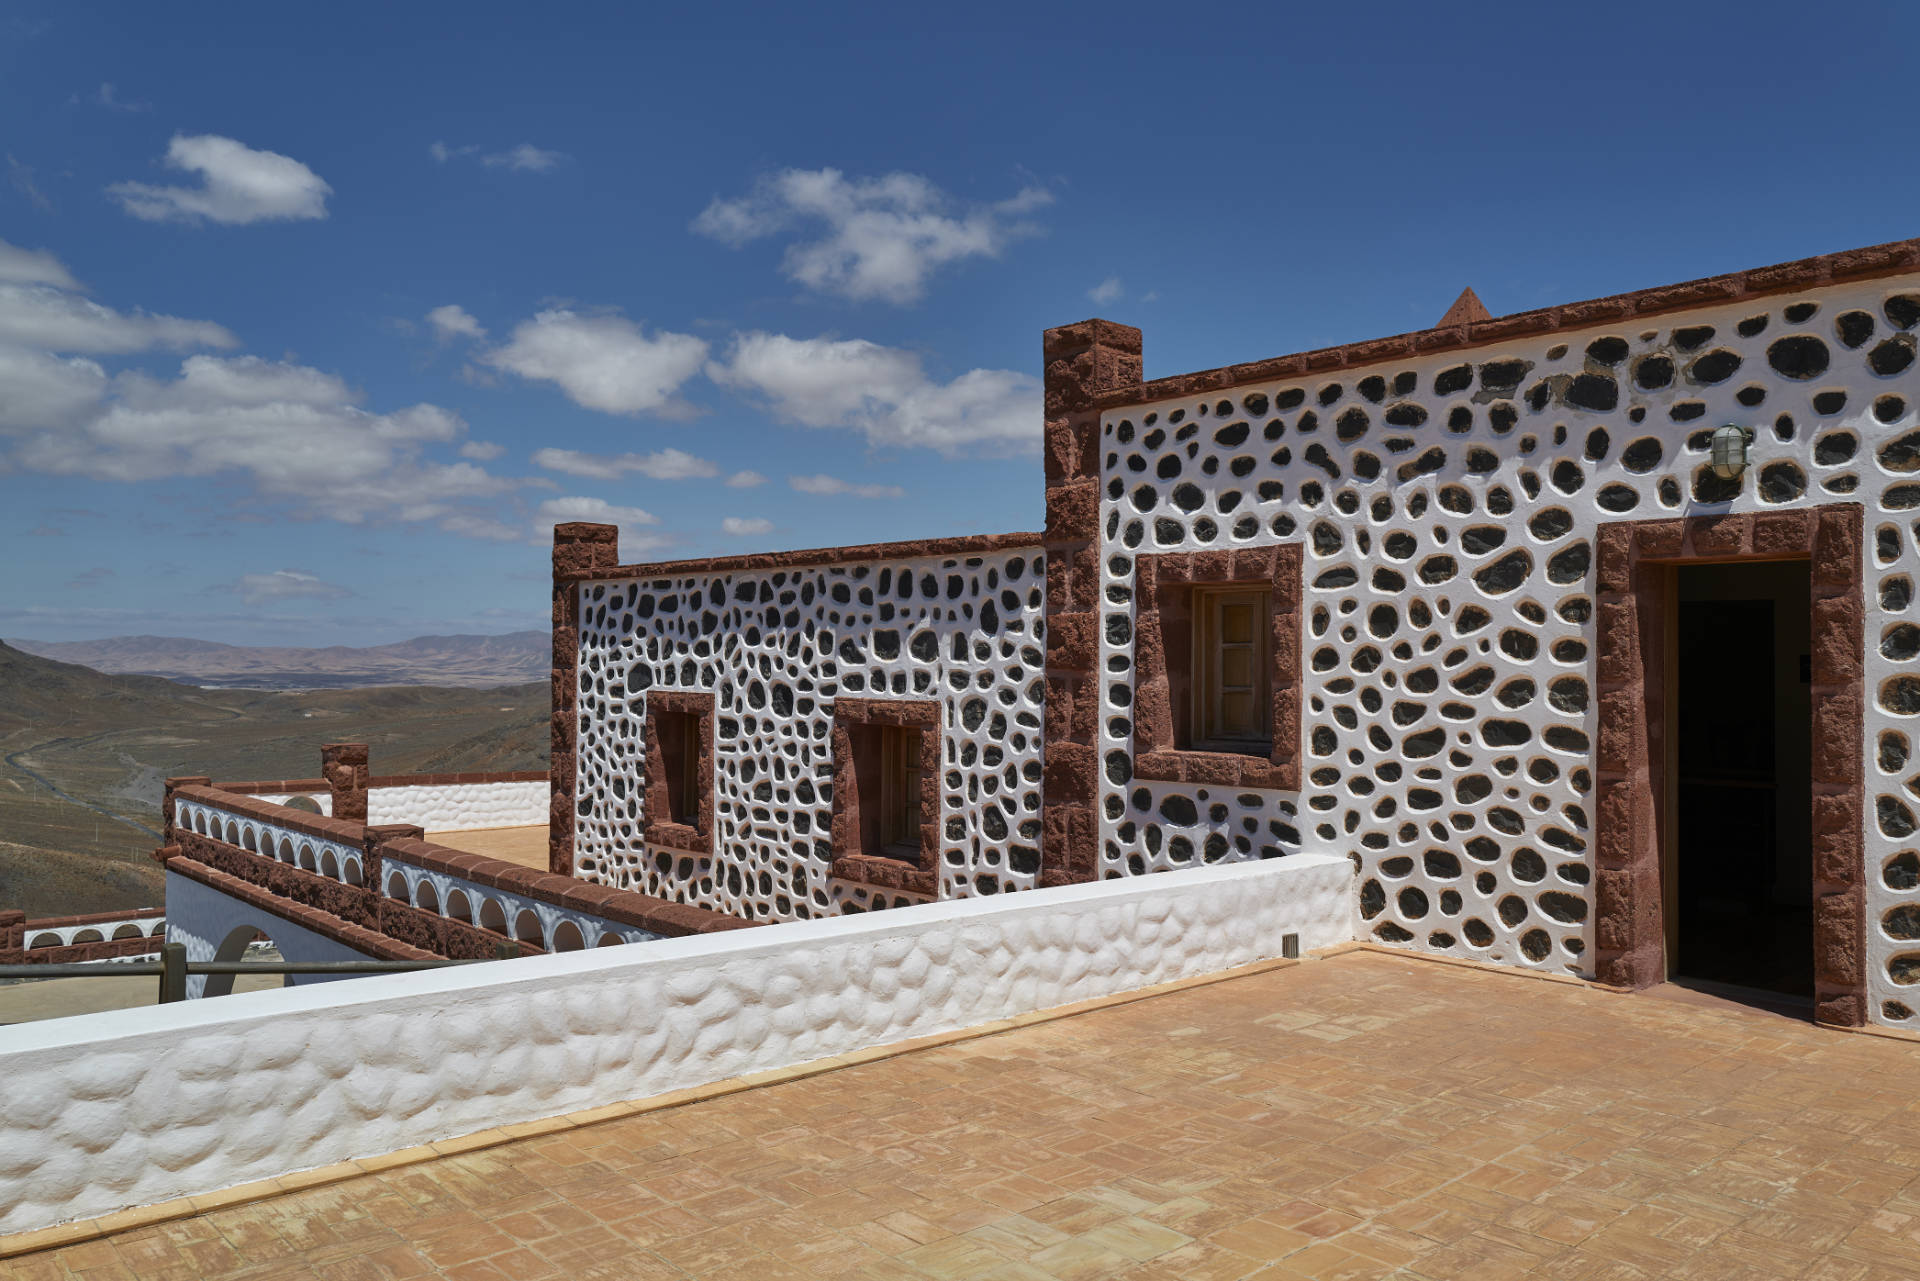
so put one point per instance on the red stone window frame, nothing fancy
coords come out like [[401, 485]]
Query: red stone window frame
[[696, 838], [1633, 589], [855, 757], [1164, 586]]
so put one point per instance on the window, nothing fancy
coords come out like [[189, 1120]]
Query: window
[[678, 734], [1232, 680], [886, 798], [679, 765]]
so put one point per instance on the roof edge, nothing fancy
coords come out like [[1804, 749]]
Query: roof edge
[[911, 549], [1890, 259]]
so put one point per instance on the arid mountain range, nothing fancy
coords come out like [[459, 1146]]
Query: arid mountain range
[[469, 661], [83, 756]]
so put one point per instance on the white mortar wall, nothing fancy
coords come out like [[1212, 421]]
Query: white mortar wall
[[461, 807], [201, 916], [133, 1107]]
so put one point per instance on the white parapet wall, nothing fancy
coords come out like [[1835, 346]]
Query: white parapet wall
[[132, 1107], [461, 807]]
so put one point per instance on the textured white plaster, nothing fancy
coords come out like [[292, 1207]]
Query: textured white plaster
[[201, 917], [203, 1095], [776, 649], [323, 799], [1397, 488], [461, 807]]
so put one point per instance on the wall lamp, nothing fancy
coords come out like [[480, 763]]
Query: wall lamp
[[1729, 457]]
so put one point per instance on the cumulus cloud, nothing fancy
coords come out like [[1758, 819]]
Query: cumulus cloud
[[525, 158], [33, 267], [602, 361], [666, 464], [452, 321], [824, 484], [883, 393], [1108, 290], [285, 584], [873, 238], [745, 480], [482, 450], [744, 525], [60, 320], [560, 511], [237, 185]]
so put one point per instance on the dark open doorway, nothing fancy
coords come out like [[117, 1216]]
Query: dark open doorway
[[1740, 870]]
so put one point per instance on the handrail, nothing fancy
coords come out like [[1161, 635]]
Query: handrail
[[173, 967]]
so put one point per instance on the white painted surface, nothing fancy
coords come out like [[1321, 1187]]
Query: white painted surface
[[334, 860], [132, 1107], [323, 799], [202, 917], [461, 807], [441, 887], [55, 935]]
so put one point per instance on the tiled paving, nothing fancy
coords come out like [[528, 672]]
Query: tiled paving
[[1361, 1117], [526, 846]]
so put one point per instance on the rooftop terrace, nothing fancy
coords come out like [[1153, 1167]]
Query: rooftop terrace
[[1364, 1116]]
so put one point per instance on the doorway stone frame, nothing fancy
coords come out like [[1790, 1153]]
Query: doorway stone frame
[[1631, 586]]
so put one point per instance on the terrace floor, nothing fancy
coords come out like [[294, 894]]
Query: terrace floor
[[526, 846], [1364, 1116]]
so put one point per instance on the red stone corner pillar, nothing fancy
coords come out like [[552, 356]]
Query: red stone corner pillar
[[13, 937], [577, 548], [344, 766], [166, 801], [1082, 362]]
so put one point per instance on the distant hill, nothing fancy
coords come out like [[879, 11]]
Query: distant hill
[[472, 662], [83, 756]]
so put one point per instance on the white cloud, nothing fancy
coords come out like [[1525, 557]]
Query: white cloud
[[603, 361], [883, 393], [745, 480], [56, 320], [238, 185], [743, 525], [824, 484], [33, 267], [285, 584], [109, 98], [453, 321], [883, 236], [525, 158], [666, 464], [482, 450], [21, 176], [1107, 290], [560, 511], [43, 392]]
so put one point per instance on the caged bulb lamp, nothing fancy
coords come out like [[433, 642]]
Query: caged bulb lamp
[[1729, 457]]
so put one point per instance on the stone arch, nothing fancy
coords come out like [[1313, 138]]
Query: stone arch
[[286, 849], [306, 859], [232, 948], [610, 939], [131, 930], [233, 832], [89, 936], [526, 927], [249, 839], [45, 940], [425, 897], [492, 917], [457, 906], [329, 865], [305, 804], [159, 930], [567, 937], [351, 874], [396, 886]]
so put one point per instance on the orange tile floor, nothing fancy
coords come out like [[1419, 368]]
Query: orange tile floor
[[1360, 1117], [525, 846]]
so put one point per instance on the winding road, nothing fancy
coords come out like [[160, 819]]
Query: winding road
[[13, 759]]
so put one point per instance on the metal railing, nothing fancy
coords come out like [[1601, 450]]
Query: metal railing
[[173, 967]]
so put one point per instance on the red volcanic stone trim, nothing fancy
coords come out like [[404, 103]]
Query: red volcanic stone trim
[[1630, 755], [243, 806], [1895, 258], [357, 937], [851, 862], [1163, 587], [695, 838], [621, 906], [1081, 364], [272, 787], [344, 766], [579, 549], [72, 953], [92, 918], [257, 787], [912, 549], [166, 801]]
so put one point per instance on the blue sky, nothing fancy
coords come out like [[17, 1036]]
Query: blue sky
[[312, 321]]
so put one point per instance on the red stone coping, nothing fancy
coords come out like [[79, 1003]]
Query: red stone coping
[[625, 907], [354, 936], [916, 549], [1891, 259], [345, 831], [94, 918], [386, 780]]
